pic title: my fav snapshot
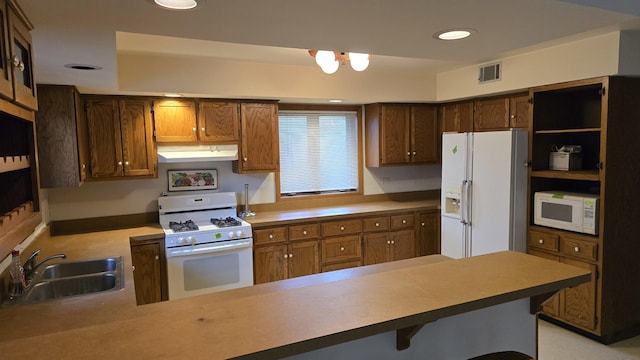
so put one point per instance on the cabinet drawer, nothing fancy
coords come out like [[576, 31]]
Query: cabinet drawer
[[302, 232], [375, 223], [341, 248], [402, 221], [270, 235], [579, 248], [542, 240], [342, 227]]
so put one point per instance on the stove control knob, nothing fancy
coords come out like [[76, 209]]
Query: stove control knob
[[182, 241], [192, 240], [231, 235], [239, 233]]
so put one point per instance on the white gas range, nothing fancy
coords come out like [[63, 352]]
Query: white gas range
[[208, 247]]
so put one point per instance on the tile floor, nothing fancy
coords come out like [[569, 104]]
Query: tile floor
[[556, 343]]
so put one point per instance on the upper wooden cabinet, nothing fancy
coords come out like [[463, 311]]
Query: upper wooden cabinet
[[519, 111], [120, 137], [16, 56], [456, 117], [501, 113], [176, 121], [401, 134], [63, 152], [260, 148]]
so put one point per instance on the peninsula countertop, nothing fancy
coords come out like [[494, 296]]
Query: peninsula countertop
[[272, 320]]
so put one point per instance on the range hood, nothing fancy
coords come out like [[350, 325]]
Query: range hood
[[194, 153]]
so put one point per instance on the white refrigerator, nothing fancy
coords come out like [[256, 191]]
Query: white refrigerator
[[484, 192]]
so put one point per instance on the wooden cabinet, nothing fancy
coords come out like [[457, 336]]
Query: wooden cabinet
[[428, 233], [176, 121], [259, 150], [149, 269], [401, 134], [397, 244], [16, 56], [62, 137], [519, 111], [601, 116], [284, 252], [456, 117], [501, 113], [120, 137]]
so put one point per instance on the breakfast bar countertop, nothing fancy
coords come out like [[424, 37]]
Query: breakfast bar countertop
[[272, 320]]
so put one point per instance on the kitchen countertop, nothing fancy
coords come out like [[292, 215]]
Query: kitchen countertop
[[342, 305], [269, 218]]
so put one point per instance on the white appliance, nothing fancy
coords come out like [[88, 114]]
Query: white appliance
[[484, 192], [208, 248], [568, 211]]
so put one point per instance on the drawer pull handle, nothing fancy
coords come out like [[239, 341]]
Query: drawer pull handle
[[540, 241], [341, 248], [377, 224], [404, 221], [341, 228], [576, 249], [270, 236], [304, 232]]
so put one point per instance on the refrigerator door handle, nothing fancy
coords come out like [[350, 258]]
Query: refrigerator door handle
[[466, 202]]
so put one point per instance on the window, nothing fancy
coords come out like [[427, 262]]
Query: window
[[318, 152]]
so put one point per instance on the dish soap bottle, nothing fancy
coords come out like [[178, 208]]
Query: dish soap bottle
[[17, 284]]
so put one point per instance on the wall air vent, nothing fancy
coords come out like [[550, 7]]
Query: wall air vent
[[491, 72]]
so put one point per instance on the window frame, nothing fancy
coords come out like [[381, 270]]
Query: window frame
[[320, 107]]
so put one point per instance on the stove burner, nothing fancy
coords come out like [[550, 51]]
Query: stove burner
[[178, 226], [227, 222]]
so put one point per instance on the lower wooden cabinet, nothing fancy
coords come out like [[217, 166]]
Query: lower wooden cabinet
[[578, 304], [149, 269], [428, 233], [390, 246]]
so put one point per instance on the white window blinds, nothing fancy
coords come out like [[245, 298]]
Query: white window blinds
[[318, 152]]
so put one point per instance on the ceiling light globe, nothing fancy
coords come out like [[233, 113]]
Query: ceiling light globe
[[324, 57], [359, 62], [330, 67], [177, 4], [454, 35]]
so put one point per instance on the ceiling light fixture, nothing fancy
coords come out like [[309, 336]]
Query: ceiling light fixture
[[330, 61], [177, 4], [454, 34], [172, 95]]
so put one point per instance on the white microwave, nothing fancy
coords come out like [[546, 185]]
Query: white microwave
[[567, 211]]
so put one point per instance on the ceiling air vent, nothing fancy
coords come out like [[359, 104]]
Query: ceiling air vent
[[489, 72]]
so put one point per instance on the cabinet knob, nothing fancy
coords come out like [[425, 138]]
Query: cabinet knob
[[201, 129], [377, 224], [404, 221], [540, 241], [393, 242], [513, 116], [304, 232], [126, 163], [408, 153], [270, 236], [194, 129], [286, 256], [414, 153], [119, 163], [244, 159], [16, 62], [133, 268], [422, 223], [576, 249], [341, 228], [388, 242], [290, 256], [157, 257], [341, 248]]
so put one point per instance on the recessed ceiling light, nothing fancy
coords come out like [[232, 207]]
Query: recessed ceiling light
[[335, 100], [454, 34], [82, 67], [172, 95], [177, 4]]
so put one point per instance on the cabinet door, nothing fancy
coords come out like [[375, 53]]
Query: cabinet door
[[456, 117], [105, 143], [175, 120], [578, 304], [218, 121], [394, 133], [21, 53], [269, 263], [424, 134], [138, 148], [429, 234], [403, 245], [343, 248], [147, 272], [519, 111], [376, 248], [303, 259], [6, 70], [259, 128], [551, 306], [491, 114]]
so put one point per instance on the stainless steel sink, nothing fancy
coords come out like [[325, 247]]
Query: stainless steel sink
[[67, 269], [75, 278]]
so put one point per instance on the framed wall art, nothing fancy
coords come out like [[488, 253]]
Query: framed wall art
[[188, 180]]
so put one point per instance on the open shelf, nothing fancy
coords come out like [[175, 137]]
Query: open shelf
[[589, 175], [12, 163], [568, 131]]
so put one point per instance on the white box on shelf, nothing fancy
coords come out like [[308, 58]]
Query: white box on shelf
[[559, 160]]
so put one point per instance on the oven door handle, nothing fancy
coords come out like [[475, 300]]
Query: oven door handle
[[210, 248]]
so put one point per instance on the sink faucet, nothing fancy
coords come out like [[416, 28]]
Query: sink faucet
[[30, 265]]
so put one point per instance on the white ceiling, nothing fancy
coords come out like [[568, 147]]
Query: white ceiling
[[398, 33]]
